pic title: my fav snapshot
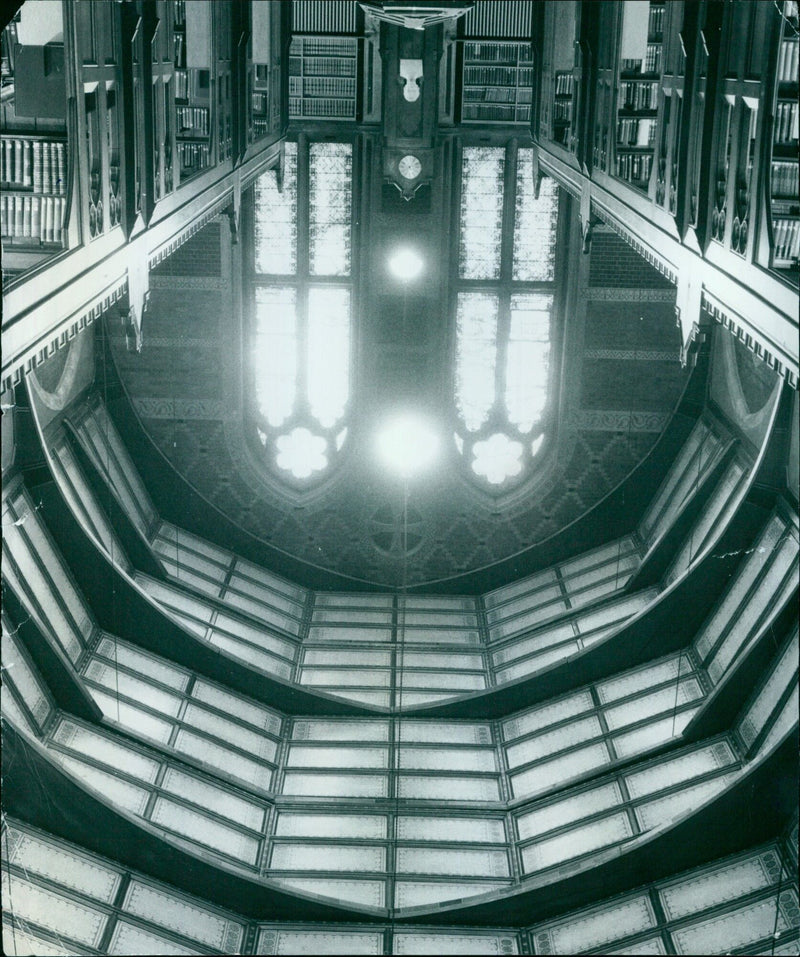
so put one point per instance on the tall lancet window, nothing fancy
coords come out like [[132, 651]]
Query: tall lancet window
[[302, 308], [504, 300]]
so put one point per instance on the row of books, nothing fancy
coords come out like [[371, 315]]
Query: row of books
[[328, 46], [636, 132], [179, 49], [489, 76], [638, 96], [194, 155], [562, 111], [564, 82], [786, 238], [323, 106], [321, 66], [193, 118], [37, 218], [181, 85], [40, 165], [785, 178], [635, 167], [179, 12], [656, 24], [650, 64], [498, 52], [490, 94], [485, 113], [326, 86], [786, 122], [788, 63]]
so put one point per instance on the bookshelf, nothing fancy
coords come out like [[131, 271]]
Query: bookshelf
[[637, 99], [259, 101], [497, 81], [322, 78], [192, 102], [563, 107], [34, 171], [783, 171]]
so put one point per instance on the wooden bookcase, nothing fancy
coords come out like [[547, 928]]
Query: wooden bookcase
[[784, 205], [637, 106], [497, 80], [323, 78], [35, 168], [192, 99]]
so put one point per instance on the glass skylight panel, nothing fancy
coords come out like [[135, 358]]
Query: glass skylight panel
[[276, 219], [528, 359], [481, 212], [476, 355], [534, 225], [275, 352], [330, 202], [328, 368]]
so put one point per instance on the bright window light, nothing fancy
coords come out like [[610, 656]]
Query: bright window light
[[276, 352], [328, 352], [481, 212], [476, 354], [302, 453], [276, 219], [405, 264], [329, 217], [408, 445], [497, 459], [528, 356]]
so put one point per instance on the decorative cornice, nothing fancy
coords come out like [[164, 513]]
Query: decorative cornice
[[65, 335], [716, 311]]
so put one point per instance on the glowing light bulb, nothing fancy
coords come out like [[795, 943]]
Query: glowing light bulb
[[407, 445], [405, 264]]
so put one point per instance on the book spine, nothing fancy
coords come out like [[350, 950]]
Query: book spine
[[36, 217]]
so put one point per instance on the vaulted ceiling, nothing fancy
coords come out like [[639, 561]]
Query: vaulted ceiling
[[619, 381]]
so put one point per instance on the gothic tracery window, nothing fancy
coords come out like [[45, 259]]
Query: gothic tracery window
[[302, 308], [503, 312]]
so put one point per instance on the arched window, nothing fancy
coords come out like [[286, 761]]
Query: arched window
[[301, 329], [503, 311]]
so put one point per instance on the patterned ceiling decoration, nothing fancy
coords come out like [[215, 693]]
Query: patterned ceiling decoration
[[620, 399]]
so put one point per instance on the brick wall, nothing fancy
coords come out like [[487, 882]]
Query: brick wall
[[199, 256], [615, 263]]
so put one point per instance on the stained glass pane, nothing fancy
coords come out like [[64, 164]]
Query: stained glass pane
[[476, 354], [481, 212], [528, 358], [275, 352], [276, 219], [534, 224], [497, 459], [302, 453], [330, 200], [328, 352]]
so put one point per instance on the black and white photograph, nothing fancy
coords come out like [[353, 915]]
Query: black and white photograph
[[400, 477]]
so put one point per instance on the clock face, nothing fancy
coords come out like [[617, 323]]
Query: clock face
[[410, 167]]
